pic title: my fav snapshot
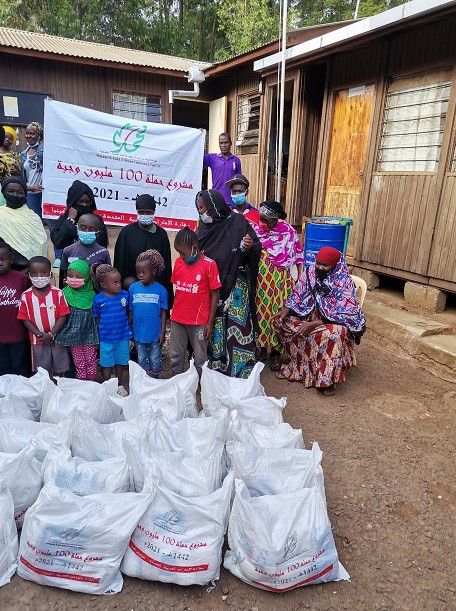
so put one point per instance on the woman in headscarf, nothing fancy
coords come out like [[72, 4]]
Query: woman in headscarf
[[10, 164], [229, 240], [32, 165], [20, 227], [282, 251], [320, 324], [142, 235], [80, 200]]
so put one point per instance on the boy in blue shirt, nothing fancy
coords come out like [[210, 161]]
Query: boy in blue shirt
[[148, 307], [110, 311]]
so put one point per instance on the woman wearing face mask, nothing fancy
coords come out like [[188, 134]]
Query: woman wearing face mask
[[228, 239], [282, 251], [320, 324], [20, 227], [142, 235], [32, 165]]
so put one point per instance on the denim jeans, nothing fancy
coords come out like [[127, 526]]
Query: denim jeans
[[34, 199], [150, 357]]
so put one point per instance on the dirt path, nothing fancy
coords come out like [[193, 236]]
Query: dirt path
[[389, 455]]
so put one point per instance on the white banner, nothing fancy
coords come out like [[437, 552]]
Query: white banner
[[120, 158]]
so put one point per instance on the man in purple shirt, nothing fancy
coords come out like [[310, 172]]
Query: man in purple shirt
[[224, 166]]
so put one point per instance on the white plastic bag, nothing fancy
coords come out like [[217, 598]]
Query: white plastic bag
[[17, 433], [264, 410], [179, 540], [281, 542], [251, 433], [11, 405], [8, 537], [272, 471], [86, 388], [32, 390], [173, 407], [214, 385], [77, 542], [187, 382], [84, 478], [21, 473]]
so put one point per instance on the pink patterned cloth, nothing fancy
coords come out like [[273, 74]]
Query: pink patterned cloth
[[282, 245]]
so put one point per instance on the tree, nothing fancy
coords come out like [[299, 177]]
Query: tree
[[311, 12]]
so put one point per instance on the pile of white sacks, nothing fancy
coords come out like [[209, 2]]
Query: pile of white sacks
[[99, 485]]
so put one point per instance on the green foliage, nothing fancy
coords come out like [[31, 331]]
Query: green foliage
[[311, 12]]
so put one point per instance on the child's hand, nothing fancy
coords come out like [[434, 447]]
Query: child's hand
[[161, 339], [208, 330]]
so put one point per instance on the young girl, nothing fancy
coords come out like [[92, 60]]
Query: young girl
[[110, 310], [80, 332], [148, 306]]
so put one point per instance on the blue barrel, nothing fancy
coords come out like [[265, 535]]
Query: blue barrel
[[328, 231]]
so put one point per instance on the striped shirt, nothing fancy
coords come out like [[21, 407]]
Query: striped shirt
[[42, 310]]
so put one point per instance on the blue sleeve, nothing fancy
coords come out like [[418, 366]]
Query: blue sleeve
[[130, 300], [238, 166], [96, 307], [164, 299]]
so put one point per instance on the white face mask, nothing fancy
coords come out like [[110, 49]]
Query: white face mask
[[206, 218], [40, 282], [145, 219]]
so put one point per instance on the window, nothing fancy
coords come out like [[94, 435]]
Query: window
[[248, 124], [413, 123], [138, 107]]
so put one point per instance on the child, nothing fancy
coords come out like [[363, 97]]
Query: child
[[197, 285], [148, 306], [110, 310], [80, 333], [44, 311], [13, 336], [86, 247]]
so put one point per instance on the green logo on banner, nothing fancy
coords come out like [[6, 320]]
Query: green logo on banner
[[128, 138]]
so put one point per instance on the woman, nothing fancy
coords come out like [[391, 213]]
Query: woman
[[32, 166], [229, 240], [282, 251], [80, 200], [9, 159], [20, 227], [320, 324]]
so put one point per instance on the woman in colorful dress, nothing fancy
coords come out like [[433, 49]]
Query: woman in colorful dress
[[228, 239], [9, 159], [282, 251], [320, 324]]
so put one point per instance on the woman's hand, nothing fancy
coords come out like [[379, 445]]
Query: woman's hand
[[247, 242], [72, 213], [280, 316], [307, 327]]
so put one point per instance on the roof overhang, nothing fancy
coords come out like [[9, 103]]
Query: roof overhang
[[359, 30]]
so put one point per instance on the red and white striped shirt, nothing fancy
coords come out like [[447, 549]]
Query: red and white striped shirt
[[42, 310]]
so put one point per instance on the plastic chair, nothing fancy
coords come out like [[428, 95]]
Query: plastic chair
[[361, 289]]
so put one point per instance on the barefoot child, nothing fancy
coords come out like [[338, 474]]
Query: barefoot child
[[197, 284], [80, 332], [148, 306], [44, 311], [110, 310]]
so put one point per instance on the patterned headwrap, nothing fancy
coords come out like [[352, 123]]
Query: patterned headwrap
[[10, 130], [38, 127]]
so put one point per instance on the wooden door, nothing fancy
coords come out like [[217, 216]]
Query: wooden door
[[351, 124]]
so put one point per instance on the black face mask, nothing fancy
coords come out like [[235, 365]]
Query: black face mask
[[321, 274], [14, 201], [81, 209]]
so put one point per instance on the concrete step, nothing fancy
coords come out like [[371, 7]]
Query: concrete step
[[441, 349]]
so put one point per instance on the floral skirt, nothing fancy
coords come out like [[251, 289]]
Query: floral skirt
[[232, 346], [273, 289], [318, 359]]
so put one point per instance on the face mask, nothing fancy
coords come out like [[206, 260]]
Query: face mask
[[239, 199], [145, 219], [206, 218], [40, 281], [264, 226], [192, 258], [75, 283], [14, 201], [82, 209], [321, 273], [87, 237]]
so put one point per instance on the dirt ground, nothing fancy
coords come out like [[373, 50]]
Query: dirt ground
[[389, 453]]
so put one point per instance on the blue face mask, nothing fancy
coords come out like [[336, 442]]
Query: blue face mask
[[145, 219], [239, 199], [87, 237], [192, 258]]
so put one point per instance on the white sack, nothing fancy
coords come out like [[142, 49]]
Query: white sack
[[281, 542], [84, 478], [16, 433], [11, 405], [251, 433], [77, 542], [187, 382], [21, 473], [214, 385], [32, 390], [8, 537], [179, 540], [173, 407], [264, 410]]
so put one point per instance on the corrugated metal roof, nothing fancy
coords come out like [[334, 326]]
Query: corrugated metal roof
[[69, 47]]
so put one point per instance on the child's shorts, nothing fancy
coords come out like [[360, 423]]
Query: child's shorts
[[114, 353], [54, 358]]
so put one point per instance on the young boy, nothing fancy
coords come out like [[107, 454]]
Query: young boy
[[86, 247], [148, 306], [110, 311], [44, 311], [197, 285], [13, 336]]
